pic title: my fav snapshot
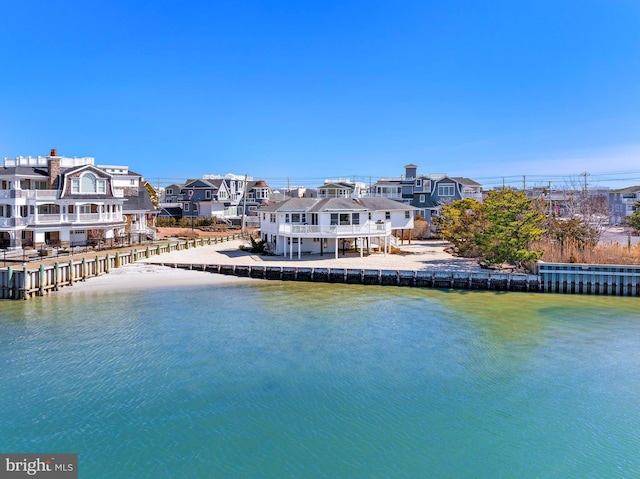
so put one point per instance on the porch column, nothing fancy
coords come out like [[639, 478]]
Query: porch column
[[100, 208], [299, 241], [290, 248], [361, 245], [385, 245], [336, 248]]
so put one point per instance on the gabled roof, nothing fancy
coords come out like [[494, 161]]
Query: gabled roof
[[337, 204], [385, 204], [291, 204], [201, 183], [75, 169], [465, 181], [337, 184], [141, 202]]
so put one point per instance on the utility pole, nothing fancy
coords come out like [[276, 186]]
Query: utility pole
[[503, 182], [550, 203], [585, 174], [524, 183]]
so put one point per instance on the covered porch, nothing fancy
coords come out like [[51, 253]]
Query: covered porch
[[321, 239]]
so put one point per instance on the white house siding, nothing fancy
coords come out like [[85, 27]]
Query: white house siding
[[318, 226]]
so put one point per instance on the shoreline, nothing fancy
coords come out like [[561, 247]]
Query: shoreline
[[140, 276], [148, 274]]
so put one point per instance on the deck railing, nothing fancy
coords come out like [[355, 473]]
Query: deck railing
[[370, 228]]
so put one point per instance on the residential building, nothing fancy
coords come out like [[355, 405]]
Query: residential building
[[212, 196], [341, 188], [426, 192], [56, 200], [327, 225], [621, 203]]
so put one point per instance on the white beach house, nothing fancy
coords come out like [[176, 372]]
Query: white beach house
[[328, 225], [55, 200]]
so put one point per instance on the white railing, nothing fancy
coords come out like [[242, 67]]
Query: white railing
[[59, 219], [370, 228], [30, 194], [48, 218], [391, 196], [475, 196]]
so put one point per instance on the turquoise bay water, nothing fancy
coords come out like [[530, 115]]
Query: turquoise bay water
[[299, 380]]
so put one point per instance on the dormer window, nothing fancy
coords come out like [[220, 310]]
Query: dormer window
[[88, 183]]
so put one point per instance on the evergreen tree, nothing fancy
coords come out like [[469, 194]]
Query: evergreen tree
[[511, 224], [459, 222]]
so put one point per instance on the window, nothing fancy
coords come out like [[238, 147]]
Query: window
[[286, 218], [419, 183], [345, 219], [185, 206], [355, 218], [207, 195], [446, 190], [334, 218], [422, 198], [169, 191], [407, 214], [273, 217], [88, 183], [387, 215], [195, 207]]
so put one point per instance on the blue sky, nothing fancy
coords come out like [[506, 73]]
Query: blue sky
[[303, 91]]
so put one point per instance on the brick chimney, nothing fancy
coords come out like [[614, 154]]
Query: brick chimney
[[54, 169]]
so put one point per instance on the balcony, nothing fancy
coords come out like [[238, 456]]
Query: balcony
[[7, 222], [473, 195], [30, 194], [57, 219], [370, 228], [391, 196]]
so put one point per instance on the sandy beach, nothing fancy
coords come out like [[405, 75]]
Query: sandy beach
[[158, 272]]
